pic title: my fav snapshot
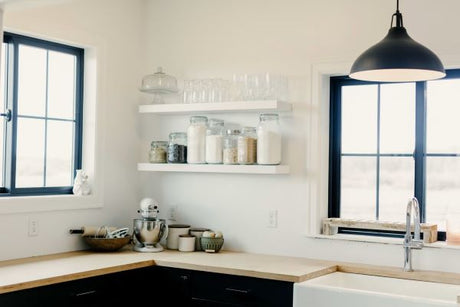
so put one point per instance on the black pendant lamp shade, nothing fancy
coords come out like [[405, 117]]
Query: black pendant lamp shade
[[397, 58]]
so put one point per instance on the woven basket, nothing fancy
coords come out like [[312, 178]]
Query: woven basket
[[106, 244], [211, 245]]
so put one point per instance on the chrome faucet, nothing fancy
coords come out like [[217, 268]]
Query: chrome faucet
[[409, 243]]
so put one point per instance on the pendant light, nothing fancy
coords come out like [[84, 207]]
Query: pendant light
[[397, 58]]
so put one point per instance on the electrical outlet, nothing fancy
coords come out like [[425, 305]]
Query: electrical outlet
[[272, 219], [33, 227], [172, 213]]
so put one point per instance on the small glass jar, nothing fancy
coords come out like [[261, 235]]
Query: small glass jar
[[177, 147], [247, 146], [269, 140], [157, 152], [230, 152], [196, 139], [214, 141]]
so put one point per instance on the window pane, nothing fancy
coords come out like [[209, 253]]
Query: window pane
[[396, 187], [59, 153], [443, 109], [31, 81], [359, 119], [397, 118], [30, 152], [358, 192], [61, 85], [442, 188], [2, 109]]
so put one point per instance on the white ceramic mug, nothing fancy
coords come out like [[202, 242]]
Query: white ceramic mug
[[187, 243], [175, 230]]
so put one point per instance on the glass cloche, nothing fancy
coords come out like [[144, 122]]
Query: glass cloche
[[159, 84]]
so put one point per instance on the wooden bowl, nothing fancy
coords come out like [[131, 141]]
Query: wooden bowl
[[106, 244]]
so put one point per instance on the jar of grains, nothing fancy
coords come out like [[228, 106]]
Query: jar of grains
[[247, 146], [177, 147], [196, 139], [157, 152], [214, 141], [268, 140], [230, 152]]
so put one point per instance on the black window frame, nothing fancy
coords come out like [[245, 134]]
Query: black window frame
[[11, 103], [419, 155]]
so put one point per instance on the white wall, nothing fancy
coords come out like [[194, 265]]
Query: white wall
[[111, 30], [206, 38]]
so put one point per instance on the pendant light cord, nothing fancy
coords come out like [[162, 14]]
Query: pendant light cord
[[398, 15]]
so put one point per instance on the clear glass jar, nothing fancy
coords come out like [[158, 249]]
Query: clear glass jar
[[247, 146], [177, 147], [158, 151], [196, 139], [268, 140], [214, 141], [230, 152]]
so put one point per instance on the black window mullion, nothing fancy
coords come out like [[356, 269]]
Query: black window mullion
[[46, 117], [420, 147], [335, 145], [78, 132], [377, 174], [12, 144]]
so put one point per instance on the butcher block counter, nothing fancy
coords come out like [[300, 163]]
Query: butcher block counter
[[39, 271]]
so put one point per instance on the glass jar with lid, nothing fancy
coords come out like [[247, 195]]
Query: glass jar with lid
[[247, 146], [157, 152], [196, 139], [214, 141], [230, 152], [269, 140], [177, 147]]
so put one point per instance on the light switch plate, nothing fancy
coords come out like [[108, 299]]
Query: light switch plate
[[272, 219]]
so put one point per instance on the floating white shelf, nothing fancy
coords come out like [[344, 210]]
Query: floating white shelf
[[214, 168], [217, 107]]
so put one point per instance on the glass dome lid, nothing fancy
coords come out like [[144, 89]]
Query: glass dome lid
[[159, 83]]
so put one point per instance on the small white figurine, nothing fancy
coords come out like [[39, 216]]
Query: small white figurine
[[81, 185]]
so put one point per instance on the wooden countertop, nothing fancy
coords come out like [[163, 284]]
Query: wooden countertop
[[45, 270]]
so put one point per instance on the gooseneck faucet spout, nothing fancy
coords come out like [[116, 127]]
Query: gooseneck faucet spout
[[409, 242]]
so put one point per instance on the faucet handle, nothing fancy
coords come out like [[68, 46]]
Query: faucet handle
[[417, 244]]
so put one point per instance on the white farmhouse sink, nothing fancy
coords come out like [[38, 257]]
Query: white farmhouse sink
[[355, 290]]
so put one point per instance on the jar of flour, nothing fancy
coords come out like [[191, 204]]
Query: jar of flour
[[268, 140]]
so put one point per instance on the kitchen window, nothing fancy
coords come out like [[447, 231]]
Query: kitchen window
[[41, 128], [392, 141]]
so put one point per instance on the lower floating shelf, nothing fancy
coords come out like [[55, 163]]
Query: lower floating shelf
[[214, 168]]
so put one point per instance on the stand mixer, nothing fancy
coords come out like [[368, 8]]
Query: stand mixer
[[149, 230]]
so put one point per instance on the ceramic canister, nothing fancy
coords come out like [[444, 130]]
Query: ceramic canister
[[198, 232], [186, 243], [175, 230]]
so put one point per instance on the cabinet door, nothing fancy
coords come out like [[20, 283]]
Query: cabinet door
[[116, 289], [85, 292], [234, 290], [174, 286], [23, 298]]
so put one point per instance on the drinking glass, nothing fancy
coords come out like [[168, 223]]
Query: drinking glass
[[187, 95]]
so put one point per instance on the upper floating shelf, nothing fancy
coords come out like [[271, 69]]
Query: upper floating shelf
[[214, 168], [217, 107]]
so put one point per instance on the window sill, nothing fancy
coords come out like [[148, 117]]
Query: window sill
[[379, 240], [22, 204]]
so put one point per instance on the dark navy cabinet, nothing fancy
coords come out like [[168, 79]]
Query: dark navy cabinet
[[116, 289], [197, 288], [156, 286]]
